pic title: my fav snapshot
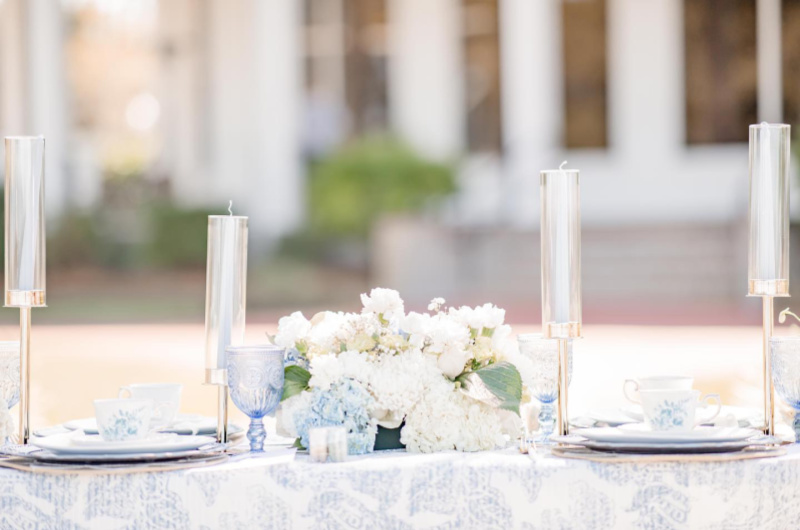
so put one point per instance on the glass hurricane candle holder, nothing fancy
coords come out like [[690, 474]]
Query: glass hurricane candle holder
[[543, 354], [561, 253], [768, 250], [255, 379], [25, 222], [786, 374]]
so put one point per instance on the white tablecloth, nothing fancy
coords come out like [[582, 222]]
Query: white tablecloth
[[397, 491]]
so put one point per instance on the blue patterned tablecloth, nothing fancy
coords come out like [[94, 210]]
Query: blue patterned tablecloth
[[401, 491]]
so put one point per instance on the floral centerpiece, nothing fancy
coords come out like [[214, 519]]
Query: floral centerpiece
[[450, 378]]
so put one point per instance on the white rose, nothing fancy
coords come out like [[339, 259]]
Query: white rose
[[384, 302], [452, 362], [446, 333], [416, 325], [292, 329], [462, 315], [491, 316]]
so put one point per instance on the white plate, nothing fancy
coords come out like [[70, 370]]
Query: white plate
[[63, 444], [183, 424], [667, 448], [611, 417], [96, 441], [640, 433]]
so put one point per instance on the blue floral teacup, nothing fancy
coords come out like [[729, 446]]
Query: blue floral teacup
[[675, 410], [123, 419]]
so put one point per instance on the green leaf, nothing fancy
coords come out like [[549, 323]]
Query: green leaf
[[498, 384], [295, 380], [298, 444]]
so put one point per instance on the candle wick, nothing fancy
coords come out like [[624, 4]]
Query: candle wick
[[230, 207], [561, 167]]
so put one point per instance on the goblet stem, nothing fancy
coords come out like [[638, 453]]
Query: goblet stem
[[547, 423], [256, 434]]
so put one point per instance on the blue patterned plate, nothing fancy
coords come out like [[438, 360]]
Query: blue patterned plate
[[641, 434], [32, 453], [65, 444], [668, 448]]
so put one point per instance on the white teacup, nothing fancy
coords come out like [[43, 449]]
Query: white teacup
[[674, 410], [658, 382], [166, 399], [123, 419]]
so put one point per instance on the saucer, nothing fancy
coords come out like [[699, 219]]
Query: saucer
[[194, 424], [641, 433], [65, 444], [81, 439]]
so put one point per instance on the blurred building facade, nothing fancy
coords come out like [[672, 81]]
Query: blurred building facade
[[651, 100]]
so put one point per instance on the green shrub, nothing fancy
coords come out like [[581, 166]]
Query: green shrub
[[352, 188], [177, 236]]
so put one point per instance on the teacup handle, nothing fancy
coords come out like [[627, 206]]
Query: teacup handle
[[631, 387], [124, 389], [710, 398]]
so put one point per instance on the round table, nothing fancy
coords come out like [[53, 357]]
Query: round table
[[396, 490]]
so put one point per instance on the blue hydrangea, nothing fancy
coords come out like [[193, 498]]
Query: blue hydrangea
[[294, 358], [345, 404]]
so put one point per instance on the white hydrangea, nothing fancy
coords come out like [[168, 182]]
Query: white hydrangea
[[445, 419], [284, 417], [384, 302], [330, 368], [397, 382], [323, 337], [292, 329]]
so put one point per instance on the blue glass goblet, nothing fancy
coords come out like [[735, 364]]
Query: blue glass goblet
[[255, 381], [786, 374], [543, 354]]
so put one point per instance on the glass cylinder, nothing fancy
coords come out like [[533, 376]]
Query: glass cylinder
[[226, 291], [24, 218], [768, 255], [561, 253]]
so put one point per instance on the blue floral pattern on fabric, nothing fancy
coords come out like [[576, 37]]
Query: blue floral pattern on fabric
[[397, 490]]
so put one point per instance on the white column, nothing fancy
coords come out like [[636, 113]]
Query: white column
[[32, 86], [426, 75], [532, 97], [768, 59], [47, 94], [646, 107], [277, 204], [12, 64], [181, 91], [254, 79]]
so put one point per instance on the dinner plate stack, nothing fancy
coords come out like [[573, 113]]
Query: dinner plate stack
[[639, 438], [81, 448]]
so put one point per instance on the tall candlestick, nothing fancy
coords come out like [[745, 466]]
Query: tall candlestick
[[226, 301], [561, 272], [768, 256], [25, 250], [561, 253], [25, 228], [768, 250]]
